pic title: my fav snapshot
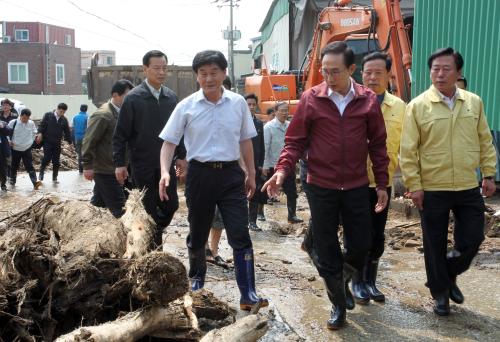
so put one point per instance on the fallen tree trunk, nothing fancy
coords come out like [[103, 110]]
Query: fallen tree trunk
[[61, 268], [176, 317], [247, 329]]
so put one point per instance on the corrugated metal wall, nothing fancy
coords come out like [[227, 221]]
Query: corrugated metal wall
[[471, 27]]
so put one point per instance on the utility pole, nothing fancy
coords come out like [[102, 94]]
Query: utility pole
[[231, 35], [230, 51]]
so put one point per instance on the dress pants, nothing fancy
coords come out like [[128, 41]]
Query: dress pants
[[207, 187], [162, 212], [468, 209], [108, 193], [51, 152], [327, 205], [378, 225]]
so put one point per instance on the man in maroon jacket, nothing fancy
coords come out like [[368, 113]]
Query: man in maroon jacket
[[339, 123]]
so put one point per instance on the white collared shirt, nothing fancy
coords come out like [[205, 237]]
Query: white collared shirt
[[341, 101], [57, 116], [449, 101], [156, 93], [274, 140], [212, 131]]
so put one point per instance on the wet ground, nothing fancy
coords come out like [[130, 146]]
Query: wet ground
[[298, 300]]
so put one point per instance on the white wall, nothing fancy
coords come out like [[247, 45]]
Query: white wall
[[276, 50], [40, 104]]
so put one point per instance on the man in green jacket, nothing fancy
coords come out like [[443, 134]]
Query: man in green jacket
[[445, 139], [97, 152]]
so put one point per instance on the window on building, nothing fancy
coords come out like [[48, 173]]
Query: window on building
[[109, 60], [22, 35], [67, 39], [18, 73], [60, 74]]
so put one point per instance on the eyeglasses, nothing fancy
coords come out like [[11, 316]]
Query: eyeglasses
[[332, 72], [159, 68]]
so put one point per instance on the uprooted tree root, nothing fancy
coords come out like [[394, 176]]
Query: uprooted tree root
[[62, 274]]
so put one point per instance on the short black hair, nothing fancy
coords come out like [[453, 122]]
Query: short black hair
[[270, 110], [150, 54], [26, 111], [62, 106], [339, 48], [378, 55], [121, 86], [83, 108], [251, 96], [463, 79], [227, 82], [209, 57], [459, 61]]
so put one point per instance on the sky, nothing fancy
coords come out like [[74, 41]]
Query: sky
[[180, 28]]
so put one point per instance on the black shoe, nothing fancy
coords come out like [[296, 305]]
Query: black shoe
[[294, 219], [337, 318], [261, 217], [253, 226], [359, 292], [455, 293], [370, 278], [442, 304], [12, 181], [4, 187]]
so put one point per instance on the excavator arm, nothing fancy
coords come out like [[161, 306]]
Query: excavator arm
[[382, 21]]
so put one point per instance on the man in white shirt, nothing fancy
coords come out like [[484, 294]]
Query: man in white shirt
[[216, 124], [274, 140], [23, 135]]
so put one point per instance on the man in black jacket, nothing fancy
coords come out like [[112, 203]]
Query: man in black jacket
[[144, 113], [53, 127], [256, 203]]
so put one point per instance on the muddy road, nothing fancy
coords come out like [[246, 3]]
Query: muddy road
[[299, 303]]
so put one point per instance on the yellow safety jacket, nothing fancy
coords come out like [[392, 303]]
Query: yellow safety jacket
[[442, 148], [393, 109]]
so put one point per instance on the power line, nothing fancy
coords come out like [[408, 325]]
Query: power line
[[56, 20], [111, 23]]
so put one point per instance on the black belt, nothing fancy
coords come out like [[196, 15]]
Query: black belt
[[215, 164]]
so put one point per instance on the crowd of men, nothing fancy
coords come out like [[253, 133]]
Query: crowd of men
[[349, 138]]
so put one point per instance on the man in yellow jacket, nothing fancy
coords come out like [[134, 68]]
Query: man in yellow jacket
[[445, 139], [376, 74]]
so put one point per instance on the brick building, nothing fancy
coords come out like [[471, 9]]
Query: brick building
[[38, 58]]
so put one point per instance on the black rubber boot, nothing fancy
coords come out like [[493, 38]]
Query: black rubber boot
[[42, 172], [348, 272], [55, 172], [291, 204], [442, 304], [260, 213], [253, 209], [197, 268], [245, 278], [336, 292], [359, 292], [370, 278]]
